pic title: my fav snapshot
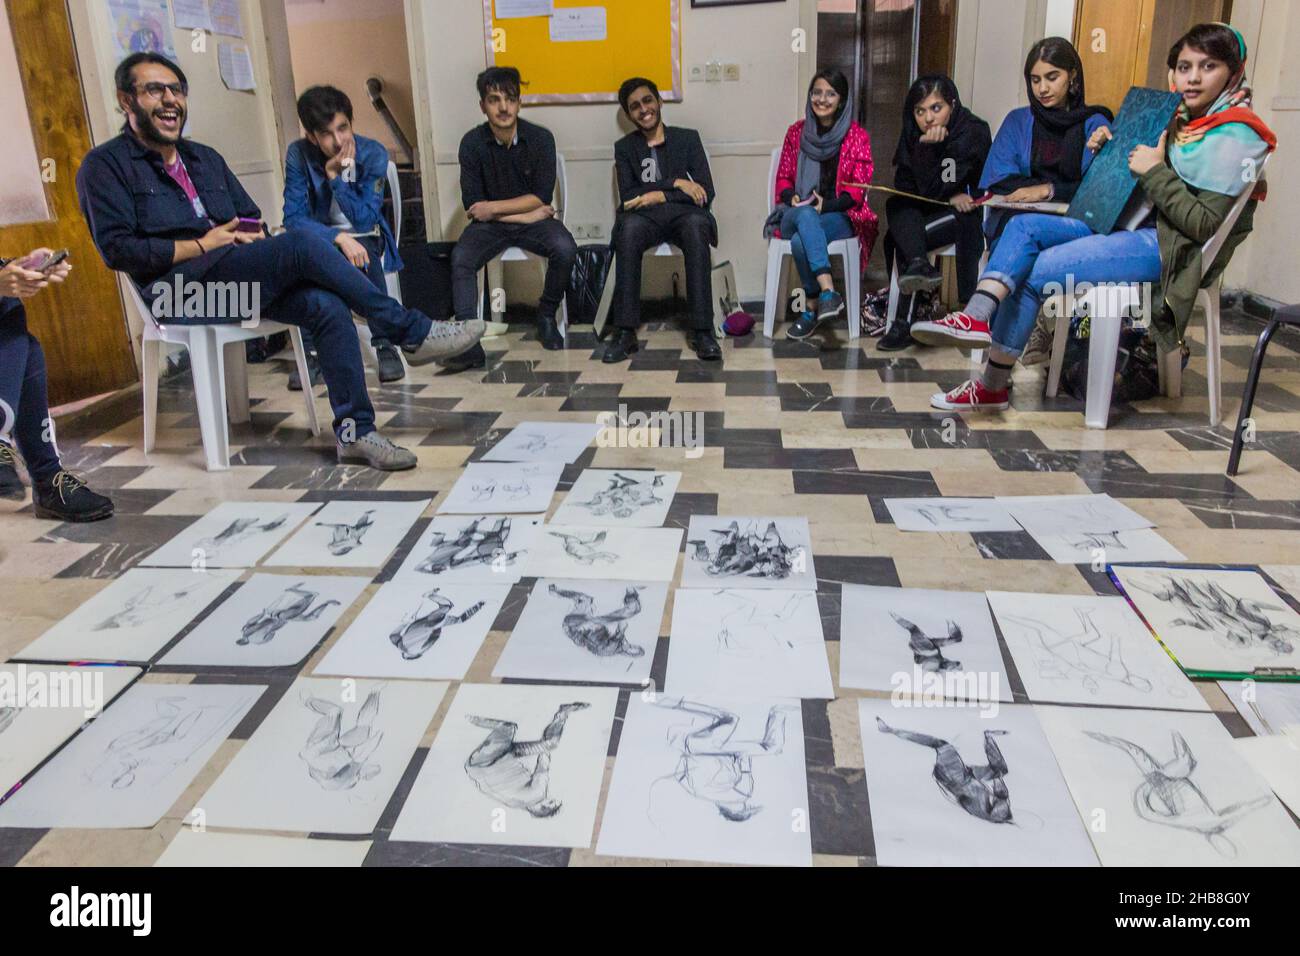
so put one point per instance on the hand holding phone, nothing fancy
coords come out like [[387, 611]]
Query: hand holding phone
[[249, 225]]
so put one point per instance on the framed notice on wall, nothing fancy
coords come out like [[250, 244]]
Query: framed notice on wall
[[579, 51]]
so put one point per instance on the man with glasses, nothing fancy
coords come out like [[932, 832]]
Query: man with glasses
[[665, 190], [507, 184], [168, 211]]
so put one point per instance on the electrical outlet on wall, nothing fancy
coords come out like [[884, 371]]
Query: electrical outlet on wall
[[579, 232], [695, 73], [731, 72], [595, 231], [713, 71]]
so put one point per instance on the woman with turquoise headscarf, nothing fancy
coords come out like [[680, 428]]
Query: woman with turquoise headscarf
[[1204, 161]]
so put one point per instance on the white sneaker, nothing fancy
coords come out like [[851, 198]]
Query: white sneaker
[[446, 339]]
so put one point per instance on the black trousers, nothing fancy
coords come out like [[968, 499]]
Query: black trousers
[[909, 235], [482, 241], [688, 227]]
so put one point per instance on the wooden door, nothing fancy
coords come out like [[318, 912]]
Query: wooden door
[[80, 323]]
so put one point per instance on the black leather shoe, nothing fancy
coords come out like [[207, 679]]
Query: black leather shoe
[[548, 333], [313, 367], [920, 276], [474, 358], [390, 364], [622, 345], [706, 346], [65, 497], [898, 336]]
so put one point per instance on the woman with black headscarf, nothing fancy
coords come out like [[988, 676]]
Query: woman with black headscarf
[[940, 153]]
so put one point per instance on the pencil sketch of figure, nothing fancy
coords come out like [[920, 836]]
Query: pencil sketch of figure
[[582, 548], [517, 491], [7, 716], [1085, 653], [148, 604], [346, 538], [927, 650], [749, 629], [711, 766], [1167, 794], [469, 547], [484, 492], [421, 629], [624, 497], [518, 773], [1092, 540], [293, 604], [237, 532], [980, 791], [534, 443], [153, 749], [746, 554], [1239, 623], [947, 514], [604, 635], [339, 759]]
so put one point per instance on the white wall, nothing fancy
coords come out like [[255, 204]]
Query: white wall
[[740, 122]]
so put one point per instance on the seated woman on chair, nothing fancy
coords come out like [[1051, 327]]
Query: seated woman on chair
[[940, 153], [1038, 154], [1193, 176], [822, 153]]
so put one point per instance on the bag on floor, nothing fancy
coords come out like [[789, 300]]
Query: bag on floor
[[587, 282], [1137, 371]]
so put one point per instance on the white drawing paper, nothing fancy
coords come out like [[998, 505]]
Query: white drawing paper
[[950, 514], [717, 780], [938, 645], [415, 629], [578, 24], [625, 497], [195, 848], [1215, 620], [1162, 788], [595, 631], [513, 9], [234, 534], [1068, 514], [273, 620], [756, 642], [1086, 649], [1267, 706], [1108, 547], [41, 706], [133, 618], [754, 552], [489, 487], [622, 554], [133, 763], [1277, 761], [326, 759], [236, 67], [545, 441], [458, 549], [955, 786], [1287, 577], [350, 534], [191, 15], [226, 18], [513, 764]]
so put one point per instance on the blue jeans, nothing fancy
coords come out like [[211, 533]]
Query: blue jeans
[[303, 281], [1038, 254], [23, 407], [809, 232]]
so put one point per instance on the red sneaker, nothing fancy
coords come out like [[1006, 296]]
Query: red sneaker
[[971, 396], [956, 329]]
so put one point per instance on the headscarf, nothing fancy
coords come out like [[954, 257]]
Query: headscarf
[[1068, 120], [1215, 150], [817, 145]]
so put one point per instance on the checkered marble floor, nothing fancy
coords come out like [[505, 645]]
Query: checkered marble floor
[[824, 430]]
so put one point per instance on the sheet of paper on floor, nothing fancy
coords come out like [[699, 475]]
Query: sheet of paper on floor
[[488, 487], [1107, 547], [1067, 514], [582, 552], [545, 441], [232, 850], [752, 552], [234, 534], [350, 534], [950, 514], [456, 549], [1267, 706], [626, 497]]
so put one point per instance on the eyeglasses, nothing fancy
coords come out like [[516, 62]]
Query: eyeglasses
[[155, 90], [825, 97]]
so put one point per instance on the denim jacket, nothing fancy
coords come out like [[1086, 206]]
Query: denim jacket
[[136, 212], [308, 192]]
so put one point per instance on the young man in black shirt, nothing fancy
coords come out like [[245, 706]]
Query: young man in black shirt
[[507, 184], [665, 190]]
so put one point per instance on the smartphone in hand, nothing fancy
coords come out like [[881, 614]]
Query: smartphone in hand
[[45, 263], [249, 225]]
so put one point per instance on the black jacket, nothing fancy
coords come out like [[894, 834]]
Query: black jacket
[[920, 166], [680, 157]]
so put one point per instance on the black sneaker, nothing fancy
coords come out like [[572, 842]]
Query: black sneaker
[[389, 361], [65, 497], [803, 326], [920, 276], [830, 305], [313, 368], [706, 346], [898, 336], [11, 486], [474, 358]]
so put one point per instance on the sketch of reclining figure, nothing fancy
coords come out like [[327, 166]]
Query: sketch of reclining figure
[[746, 553], [291, 605], [927, 650], [147, 604], [339, 759], [237, 532], [154, 748], [346, 538], [518, 773], [469, 547], [980, 791], [1239, 622], [421, 629], [624, 497], [605, 635]]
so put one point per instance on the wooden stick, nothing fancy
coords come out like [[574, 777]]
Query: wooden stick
[[898, 192]]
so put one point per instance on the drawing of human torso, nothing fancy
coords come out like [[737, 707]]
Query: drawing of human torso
[[153, 749], [422, 628], [346, 538], [624, 497], [293, 604], [604, 635], [339, 759]]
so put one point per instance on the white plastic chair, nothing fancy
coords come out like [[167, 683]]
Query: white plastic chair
[[515, 254], [777, 249], [220, 381], [895, 293], [1103, 336], [663, 250], [392, 284]]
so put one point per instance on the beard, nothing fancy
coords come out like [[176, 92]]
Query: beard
[[149, 131]]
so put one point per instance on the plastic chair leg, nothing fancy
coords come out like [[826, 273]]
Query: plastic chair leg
[[1103, 345], [308, 393], [150, 357], [236, 380], [209, 386], [772, 297]]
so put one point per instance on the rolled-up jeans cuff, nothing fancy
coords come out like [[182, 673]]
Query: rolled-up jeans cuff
[[1007, 349], [1002, 277]]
